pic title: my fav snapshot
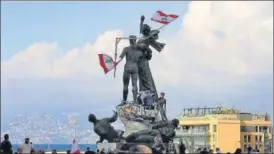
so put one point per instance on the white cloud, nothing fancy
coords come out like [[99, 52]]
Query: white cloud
[[219, 44], [220, 38], [44, 59], [215, 37]]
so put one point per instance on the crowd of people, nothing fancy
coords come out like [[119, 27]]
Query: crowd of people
[[158, 148]]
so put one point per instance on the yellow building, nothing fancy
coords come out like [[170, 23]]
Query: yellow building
[[228, 129]]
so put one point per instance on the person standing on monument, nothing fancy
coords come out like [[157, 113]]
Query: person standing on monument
[[162, 101], [131, 68]]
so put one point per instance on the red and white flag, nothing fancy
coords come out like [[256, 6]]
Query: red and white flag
[[75, 149], [106, 62], [163, 18]]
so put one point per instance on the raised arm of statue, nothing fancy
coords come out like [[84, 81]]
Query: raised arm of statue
[[159, 124], [141, 23], [113, 118]]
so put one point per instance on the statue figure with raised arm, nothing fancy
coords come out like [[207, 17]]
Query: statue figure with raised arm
[[103, 128], [148, 38], [131, 68]]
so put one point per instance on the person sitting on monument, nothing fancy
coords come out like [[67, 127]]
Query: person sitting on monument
[[103, 128], [147, 99], [131, 68]]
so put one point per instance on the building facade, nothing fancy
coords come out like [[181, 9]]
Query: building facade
[[225, 128]]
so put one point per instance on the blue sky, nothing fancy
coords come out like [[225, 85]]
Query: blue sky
[[198, 67], [72, 24]]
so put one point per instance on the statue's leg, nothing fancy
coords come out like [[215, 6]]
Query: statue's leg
[[126, 77], [141, 78], [134, 78], [146, 76]]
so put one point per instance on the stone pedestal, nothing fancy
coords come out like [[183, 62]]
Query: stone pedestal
[[137, 117]]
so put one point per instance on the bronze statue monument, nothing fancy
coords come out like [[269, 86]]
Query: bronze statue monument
[[142, 125]]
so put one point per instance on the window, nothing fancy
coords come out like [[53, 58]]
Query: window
[[214, 128], [245, 138], [248, 129], [257, 129], [249, 138], [256, 138], [245, 147]]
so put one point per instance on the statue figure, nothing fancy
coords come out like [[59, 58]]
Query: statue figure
[[165, 129], [149, 38], [130, 69], [103, 128]]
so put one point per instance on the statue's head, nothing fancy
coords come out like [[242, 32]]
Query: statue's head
[[92, 118], [132, 39], [175, 122], [146, 29]]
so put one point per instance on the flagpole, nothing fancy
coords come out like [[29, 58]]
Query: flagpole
[[166, 24], [117, 40]]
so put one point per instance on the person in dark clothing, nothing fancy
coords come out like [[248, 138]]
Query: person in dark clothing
[[158, 146], [182, 147], [249, 150], [238, 151], [161, 103], [68, 151], [171, 147], [6, 146], [204, 151], [89, 152], [54, 151]]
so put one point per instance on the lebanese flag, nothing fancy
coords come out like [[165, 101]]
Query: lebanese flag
[[163, 18], [106, 62], [74, 148]]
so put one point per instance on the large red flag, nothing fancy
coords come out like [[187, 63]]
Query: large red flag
[[164, 18]]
